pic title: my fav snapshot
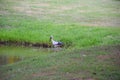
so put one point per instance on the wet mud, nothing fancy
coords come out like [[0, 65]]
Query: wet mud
[[27, 44]]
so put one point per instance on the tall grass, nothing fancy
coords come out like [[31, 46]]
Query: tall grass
[[76, 35], [35, 20]]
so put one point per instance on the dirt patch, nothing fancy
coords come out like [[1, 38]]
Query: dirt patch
[[46, 72], [31, 8], [108, 22], [41, 8], [109, 56], [102, 53], [43, 74], [40, 4], [65, 7], [111, 53], [4, 12], [115, 49], [60, 9], [103, 57]]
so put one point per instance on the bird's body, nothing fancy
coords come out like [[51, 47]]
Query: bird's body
[[55, 43]]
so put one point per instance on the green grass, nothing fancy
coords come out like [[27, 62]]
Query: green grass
[[95, 63], [70, 34], [31, 30], [34, 21], [79, 24]]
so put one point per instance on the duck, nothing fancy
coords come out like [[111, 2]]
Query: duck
[[55, 43]]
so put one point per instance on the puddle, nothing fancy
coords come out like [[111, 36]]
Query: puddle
[[9, 59], [13, 54]]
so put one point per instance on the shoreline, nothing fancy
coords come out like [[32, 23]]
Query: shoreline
[[26, 44]]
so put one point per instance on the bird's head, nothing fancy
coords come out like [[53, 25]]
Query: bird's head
[[51, 37]]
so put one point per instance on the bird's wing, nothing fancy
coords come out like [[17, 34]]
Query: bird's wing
[[55, 42]]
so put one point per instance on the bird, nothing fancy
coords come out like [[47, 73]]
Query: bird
[[55, 43]]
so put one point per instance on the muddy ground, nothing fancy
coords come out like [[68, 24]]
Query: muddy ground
[[26, 44]]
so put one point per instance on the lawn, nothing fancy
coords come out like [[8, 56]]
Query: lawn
[[34, 21], [96, 63], [89, 30]]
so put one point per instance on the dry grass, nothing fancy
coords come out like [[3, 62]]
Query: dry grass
[[90, 13]]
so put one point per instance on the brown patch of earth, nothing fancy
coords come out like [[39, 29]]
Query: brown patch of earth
[[102, 53], [109, 53], [40, 4], [46, 72], [110, 48], [108, 22], [38, 8], [60, 9], [43, 74], [30, 8], [4, 12], [103, 57]]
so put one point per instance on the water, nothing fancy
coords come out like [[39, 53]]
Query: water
[[13, 54], [9, 59]]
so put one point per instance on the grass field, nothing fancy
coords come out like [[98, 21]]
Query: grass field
[[79, 24], [97, 63]]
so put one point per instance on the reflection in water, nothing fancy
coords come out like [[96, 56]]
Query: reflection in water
[[9, 59], [25, 52]]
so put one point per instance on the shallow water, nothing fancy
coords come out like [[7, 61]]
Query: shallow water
[[9, 59], [13, 54]]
